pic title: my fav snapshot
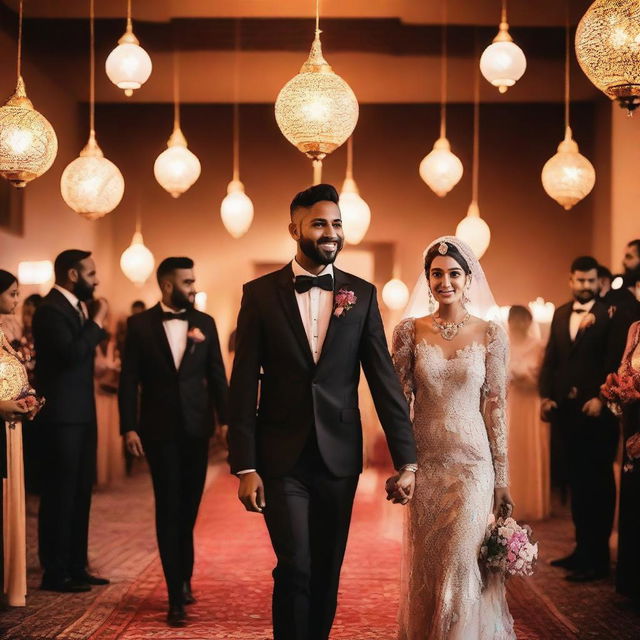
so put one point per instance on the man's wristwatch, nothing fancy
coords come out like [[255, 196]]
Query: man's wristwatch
[[410, 467]]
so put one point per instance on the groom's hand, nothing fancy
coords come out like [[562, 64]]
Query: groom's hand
[[251, 492], [400, 487], [134, 444]]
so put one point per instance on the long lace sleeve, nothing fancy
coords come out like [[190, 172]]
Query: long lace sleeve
[[495, 399], [403, 355]]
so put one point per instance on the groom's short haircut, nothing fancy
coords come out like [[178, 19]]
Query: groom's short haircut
[[67, 260], [169, 265], [584, 263], [318, 193]]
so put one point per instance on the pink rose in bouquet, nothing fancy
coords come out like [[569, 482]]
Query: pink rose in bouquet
[[343, 301], [508, 548]]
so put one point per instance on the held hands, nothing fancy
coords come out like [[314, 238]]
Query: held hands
[[12, 409], [547, 406], [400, 487], [134, 444], [502, 502], [592, 408], [251, 492]]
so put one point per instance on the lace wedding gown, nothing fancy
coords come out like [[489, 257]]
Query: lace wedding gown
[[460, 431]]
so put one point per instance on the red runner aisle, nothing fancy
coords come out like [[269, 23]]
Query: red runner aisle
[[233, 579]]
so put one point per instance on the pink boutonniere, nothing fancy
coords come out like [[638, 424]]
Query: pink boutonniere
[[195, 335], [588, 321], [343, 302]]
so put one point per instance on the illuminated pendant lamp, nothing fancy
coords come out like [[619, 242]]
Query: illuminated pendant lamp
[[503, 62], [395, 293], [236, 209], [136, 261], [92, 185], [316, 110], [28, 143], [176, 168], [568, 176], [355, 212], [441, 169], [128, 65], [607, 48], [472, 228]]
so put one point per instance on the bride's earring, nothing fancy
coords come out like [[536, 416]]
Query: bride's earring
[[465, 296], [432, 301]]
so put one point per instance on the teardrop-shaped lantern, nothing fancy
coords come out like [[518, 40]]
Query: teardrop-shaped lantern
[[474, 231], [440, 168], [236, 210], [137, 261], [176, 168]]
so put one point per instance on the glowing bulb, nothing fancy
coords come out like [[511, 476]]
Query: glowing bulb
[[236, 210], [356, 214], [137, 261], [440, 168], [395, 294], [474, 231]]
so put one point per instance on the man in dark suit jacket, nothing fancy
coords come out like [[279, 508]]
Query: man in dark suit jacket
[[573, 369], [303, 333], [66, 333], [172, 387]]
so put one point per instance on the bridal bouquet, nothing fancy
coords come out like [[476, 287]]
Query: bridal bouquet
[[508, 549]]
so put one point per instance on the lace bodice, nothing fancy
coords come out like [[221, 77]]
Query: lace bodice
[[13, 375], [459, 403]]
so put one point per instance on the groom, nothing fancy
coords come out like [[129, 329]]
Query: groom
[[303, 333]]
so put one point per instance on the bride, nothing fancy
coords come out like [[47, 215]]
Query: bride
[[453, 365]]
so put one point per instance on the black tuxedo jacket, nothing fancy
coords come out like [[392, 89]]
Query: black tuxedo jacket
[[64, 366], [297, 395], [581, 364], [160, 402]]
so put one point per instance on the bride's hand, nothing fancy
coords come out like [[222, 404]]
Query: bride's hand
[[502, 503]]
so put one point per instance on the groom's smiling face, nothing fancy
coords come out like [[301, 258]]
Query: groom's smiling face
[[318, 231]]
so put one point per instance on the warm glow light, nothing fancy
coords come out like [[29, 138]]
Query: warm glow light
[[36, 272], [236, 210], [542, 311], [137, 261], [503, 62], [28, 143], [568, 176], [316, 110], [395, 294], [92, 185], [355, 212], [201, 301], [608, 49], [128, 65], [617, 283], [474, 231], [176, 168], [441, 169]]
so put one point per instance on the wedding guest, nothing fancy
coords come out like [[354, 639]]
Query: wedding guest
[[528, 435], [66, 333], [15, 405], [573, 369], [622, 392], [172, 388]]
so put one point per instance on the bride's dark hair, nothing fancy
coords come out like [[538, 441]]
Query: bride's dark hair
[[452, 251]]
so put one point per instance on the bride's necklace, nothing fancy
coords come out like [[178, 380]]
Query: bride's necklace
[[449, 330]]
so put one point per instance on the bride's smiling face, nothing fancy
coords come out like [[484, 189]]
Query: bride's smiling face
[[447, 280]]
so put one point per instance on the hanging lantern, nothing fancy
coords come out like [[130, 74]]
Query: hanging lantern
[[355, 212], [441, 169], [92, 185], [316, 110], [35, 272], [128, 65], [503, 62], [542, 311], [568, 176], [137, 261], [607, 48], [395, 294], [176, 168], [236, 210], [201, 301], [474, 231]]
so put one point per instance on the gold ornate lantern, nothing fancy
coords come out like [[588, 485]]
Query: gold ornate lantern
[[316, 110], [608, 49], [91, 184], [28, 143]]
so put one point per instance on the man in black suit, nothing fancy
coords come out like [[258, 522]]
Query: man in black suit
[[303, 333], [172, 388], [573, 369], [66, 331]]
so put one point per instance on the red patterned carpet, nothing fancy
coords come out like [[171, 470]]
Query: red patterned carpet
[[233, 581]]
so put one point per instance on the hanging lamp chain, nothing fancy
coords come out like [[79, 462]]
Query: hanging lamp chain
[[443, 74], [476, 128], [350, 158], [318, 32], [236, 100], [92, 70], [176, 89], [20, 40], [567, 62]]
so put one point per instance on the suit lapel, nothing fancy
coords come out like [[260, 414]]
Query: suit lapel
[[190, 348], [161, 335], [287, 297], [581, 332], [66, 307], [340, 281]]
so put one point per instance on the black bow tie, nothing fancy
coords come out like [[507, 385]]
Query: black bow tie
[[169, 315], [304, 283], [579, 310]]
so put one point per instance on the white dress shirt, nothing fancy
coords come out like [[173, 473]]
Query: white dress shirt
[[79, 306], [316, 307], [176, 331], [576, 318]]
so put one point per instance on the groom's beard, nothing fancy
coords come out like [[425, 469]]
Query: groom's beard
[[180, 301], [584, 295], [314, 251]]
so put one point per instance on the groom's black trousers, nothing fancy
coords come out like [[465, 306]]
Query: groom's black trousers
[[178, 470], [308, 513]]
